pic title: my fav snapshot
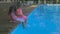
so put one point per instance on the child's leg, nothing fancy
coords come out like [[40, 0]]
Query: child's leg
[[23, 24]]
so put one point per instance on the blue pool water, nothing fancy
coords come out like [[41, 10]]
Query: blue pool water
[[44, 19]]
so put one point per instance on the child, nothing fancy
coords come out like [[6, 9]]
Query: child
[[12, 9]]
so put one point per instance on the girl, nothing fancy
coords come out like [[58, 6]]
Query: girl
[[12, 9], [20, 16]]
